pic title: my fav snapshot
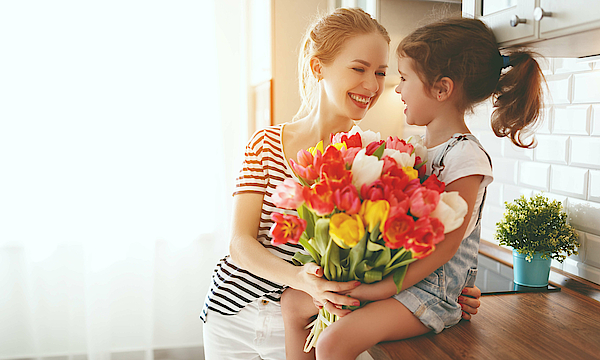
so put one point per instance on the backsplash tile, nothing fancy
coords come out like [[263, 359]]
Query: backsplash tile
[[570, 181], [592, 250], [534, 174], [552, 149], [585, 87], [570, 65], [559, 87], [573, 120], [585, 215], [594, 186], [585, 152], [565, 166], [595, 122]]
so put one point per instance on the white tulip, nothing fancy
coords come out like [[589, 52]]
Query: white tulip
[[420, 149], [402, 159], [367, 136], [365, 169], [451, 210]]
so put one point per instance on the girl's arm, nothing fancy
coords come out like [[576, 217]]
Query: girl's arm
[[247, 252], [467, 187]]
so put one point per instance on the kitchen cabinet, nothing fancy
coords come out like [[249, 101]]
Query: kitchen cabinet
[[554, 28]]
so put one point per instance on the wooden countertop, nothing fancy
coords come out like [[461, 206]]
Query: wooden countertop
[[552, 325]]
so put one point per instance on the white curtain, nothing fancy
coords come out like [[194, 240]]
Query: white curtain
[[121, 129]]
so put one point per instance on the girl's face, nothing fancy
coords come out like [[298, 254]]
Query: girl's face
[[420, 104], [353, 82]]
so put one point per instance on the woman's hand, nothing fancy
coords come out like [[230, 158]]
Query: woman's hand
[[329, 294], [469, 301]]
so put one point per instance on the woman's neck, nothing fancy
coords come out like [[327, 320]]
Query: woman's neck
[[321, 125]]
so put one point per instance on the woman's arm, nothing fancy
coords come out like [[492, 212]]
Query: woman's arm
[[467, 187], [247, 252]]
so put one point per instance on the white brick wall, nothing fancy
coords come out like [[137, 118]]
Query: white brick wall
[[565, 165]]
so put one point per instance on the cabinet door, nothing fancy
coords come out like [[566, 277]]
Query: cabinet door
[[497, 14], [568, 17]]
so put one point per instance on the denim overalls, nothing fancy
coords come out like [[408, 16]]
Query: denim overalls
[[434, 300]]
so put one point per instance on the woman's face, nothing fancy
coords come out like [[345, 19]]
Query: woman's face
[[352, 83], [417, 98]]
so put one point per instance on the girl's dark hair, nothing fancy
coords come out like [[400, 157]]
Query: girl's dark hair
[[466, 51]]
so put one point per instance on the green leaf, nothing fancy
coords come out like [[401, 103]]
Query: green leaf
[[399, 265], [302, 259], [375, 234], [383, 258], [372, 276], [307, 215], [379, 151], [361, 269], [399, 275], [311, 250], [357, 254], [334, 261], [322, 238]]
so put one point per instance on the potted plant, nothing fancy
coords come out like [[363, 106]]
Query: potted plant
[[537, 230]]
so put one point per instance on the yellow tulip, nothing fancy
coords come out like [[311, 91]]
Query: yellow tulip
[[340, 146], [374, 212], [346, 230], [411, 172], [313, 150]]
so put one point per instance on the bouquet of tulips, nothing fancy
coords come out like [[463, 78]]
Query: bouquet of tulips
[[365, 208]]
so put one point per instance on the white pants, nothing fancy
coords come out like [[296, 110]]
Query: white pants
[[256, 332]]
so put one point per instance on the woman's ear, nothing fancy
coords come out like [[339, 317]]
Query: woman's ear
[[317, 68], [443, 88]]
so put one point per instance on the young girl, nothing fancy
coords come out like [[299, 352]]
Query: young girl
[[342, 70], [446, 68]]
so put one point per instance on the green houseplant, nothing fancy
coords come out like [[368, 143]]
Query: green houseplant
[[537, 230]]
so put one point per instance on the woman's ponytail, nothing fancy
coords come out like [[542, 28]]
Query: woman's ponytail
[[518, 98]]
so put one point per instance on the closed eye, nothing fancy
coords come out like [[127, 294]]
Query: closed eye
[[359, 69]]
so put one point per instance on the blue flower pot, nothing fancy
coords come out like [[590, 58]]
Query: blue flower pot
[[534, 273]]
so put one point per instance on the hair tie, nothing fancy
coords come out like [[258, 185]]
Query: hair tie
[[505, 61]]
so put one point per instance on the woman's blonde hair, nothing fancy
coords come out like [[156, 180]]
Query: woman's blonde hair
[[324, 40]]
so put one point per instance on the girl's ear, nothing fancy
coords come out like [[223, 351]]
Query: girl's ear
[[317, 68], [443, 89]]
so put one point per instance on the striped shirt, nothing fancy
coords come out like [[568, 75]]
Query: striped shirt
[[264, 167]]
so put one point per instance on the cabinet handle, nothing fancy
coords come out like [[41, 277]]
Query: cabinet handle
[[539, 13], [515, 20]]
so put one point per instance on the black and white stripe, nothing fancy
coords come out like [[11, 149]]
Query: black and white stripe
[[264, 167]]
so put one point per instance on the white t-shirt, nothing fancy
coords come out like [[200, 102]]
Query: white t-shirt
[[465, 158]]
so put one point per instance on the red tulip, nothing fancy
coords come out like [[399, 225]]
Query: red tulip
[[286, 228], [374, 191], [432, 183], [397, 229], [373, 146], [319, 198], [333, 170], [426, 234]]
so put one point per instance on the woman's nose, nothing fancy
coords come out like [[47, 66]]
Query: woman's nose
[[371, 84]]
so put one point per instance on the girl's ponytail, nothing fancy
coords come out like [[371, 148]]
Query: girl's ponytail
[[518, 98]]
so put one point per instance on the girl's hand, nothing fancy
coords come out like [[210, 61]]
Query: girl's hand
[[469, 301], [380, 290], [325, 292]]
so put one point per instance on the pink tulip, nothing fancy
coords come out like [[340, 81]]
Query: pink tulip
[[423, 201], [288, 195], [347, 200], [308, 166], [398, 144]]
